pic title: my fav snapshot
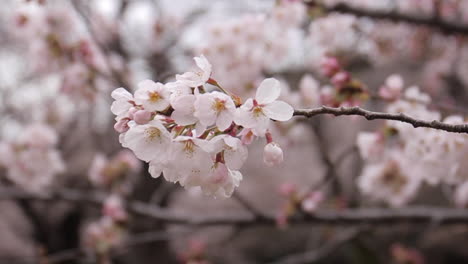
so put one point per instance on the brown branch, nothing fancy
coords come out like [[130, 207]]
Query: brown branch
[[434, 22], [79, 254], [371, 216], [247, 205], [322, 252], [369, 115]]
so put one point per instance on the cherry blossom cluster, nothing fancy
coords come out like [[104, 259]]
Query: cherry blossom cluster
[[448, 9], [106, 172], [102, 235], [60, 46], [243, 48], [345, 90], [112, 174], [196, 136], [32, 160], [400, 158]]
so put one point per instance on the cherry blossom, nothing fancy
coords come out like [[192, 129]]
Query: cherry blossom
[[233, 150], [393, 87], [149, 141], [202, 128], [189, 162], [255, 113], [390, 181], [312, 202], [199, 77], [102, 235], [123, 102], [114, 208], [214, 108], [32, 160], [104, 172], [221, 181], [152, 96]]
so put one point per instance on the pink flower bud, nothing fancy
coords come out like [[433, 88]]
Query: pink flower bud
[[312, 201], [341, 79], [122, 125], [131, 112], [114, 208], [330, 66], [286, 189], [128, 158], [272, 154], [142, 117], [392, 89]]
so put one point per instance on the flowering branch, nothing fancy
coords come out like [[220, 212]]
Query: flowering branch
[[433, 22], [114, 75], [370, 115]]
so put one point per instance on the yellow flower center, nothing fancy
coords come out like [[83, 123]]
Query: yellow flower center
[[393, 178], [257, 111], [152, 133], [218, 105], [154, 96], [189, 148]]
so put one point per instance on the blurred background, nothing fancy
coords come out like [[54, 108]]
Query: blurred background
[[70, 193]]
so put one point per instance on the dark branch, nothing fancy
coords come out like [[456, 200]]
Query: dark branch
[[371, 216], [369, 115], [324, 251], [435, 22], [247, 205]]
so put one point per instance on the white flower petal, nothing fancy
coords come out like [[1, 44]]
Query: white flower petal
[[155, 169], [149, 141], [278, 110], [235, 158], [183, 119], [121, 94], [199, 129], [224, 120], [204, 65], [204, 109], [268, 91]]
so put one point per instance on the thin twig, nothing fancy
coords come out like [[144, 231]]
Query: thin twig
[[370, 115], [322, 252], [247, 205], [434, 22]]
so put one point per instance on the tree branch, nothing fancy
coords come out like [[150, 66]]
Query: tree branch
[[247, 205], [322, 252], [371, 216], [435, 22], [369, 115]]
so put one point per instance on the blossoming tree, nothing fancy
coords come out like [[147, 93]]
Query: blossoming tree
[[203, 131]]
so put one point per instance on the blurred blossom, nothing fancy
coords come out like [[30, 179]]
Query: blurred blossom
[[104, 172], [102, 235], [32, 160]]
